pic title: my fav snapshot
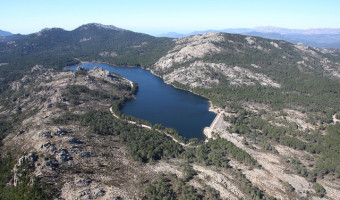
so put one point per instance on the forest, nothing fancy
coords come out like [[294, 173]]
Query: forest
[[311, 91]]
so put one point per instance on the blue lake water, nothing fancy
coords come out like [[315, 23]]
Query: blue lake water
[[160, 103]]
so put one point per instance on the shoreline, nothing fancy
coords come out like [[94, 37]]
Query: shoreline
[[208, 100], [207, 131], [149, 127], [99, 62], [211, 108]]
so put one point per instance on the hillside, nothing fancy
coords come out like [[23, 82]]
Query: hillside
[[213, 62], [272, 95], [57, 48], [4, 33], [321, 38], [275, 135]]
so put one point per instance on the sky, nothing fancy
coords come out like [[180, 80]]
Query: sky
[[162, 16]]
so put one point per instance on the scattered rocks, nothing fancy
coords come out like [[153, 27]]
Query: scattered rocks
[[87, 154], [59, 132], [20, 132], [31, 158], [48, 148], [74, 141], [224, 183], [49, 164], [44, 134], [81, 182], [37, 68], [201, 74], [108, 54], [85, 194], [99, 192], [75, 149], [189, 48], [63, 156]]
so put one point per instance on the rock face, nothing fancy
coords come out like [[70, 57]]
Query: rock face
[[30, 159], [62, 150], [63, 156], [190, 48], [209, 59], [200, 74], [108, 54]]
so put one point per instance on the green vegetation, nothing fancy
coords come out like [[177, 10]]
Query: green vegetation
[[326, 146], [320, 191], [27, 189], [4, 128], [57, 48], [305, 88], [171, 187], [168, 187], [144, 145], [189, 172], [299, 167], [216, 152], [249, 188], [80, 93], [337, 116]]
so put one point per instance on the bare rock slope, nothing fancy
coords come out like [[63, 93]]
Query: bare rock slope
[[211, 59]]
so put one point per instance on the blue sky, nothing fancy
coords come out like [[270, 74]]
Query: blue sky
[[161, 16]]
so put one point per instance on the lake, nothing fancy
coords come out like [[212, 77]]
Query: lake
[[160, 103]]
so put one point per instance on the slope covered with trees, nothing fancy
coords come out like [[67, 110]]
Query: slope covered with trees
[[279, 99]]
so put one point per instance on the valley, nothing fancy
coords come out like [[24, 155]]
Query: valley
[[276, 134]]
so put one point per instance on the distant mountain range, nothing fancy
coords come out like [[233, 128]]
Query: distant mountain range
[[5, 33], [318, 37], [278, 104], [325, 38], [56, 47]]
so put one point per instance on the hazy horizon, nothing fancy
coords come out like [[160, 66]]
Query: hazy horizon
[[157, 17]]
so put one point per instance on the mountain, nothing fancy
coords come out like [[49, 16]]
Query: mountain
[[172, 35], [58, 48], [4, 33], [63, 135], [321, 38], [276, 83], [313, 40], [284, 31], [212, 59], [11, 38]]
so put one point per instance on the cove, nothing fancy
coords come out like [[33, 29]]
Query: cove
[[160, 103]]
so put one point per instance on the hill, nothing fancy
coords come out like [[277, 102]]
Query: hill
[[4, 33], [276, 132], [57, 48], [290, 89], [321, 38]]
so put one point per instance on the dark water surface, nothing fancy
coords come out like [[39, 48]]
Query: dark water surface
[[160, 103]]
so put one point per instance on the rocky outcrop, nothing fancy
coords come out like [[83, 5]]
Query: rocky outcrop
[[108, 54], [184, 64], [63, 156], [201, 74], [30, 159], [205, 60], [190, 48]]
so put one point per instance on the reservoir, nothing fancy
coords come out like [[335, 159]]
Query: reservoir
[[160, 103]]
